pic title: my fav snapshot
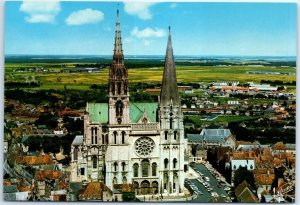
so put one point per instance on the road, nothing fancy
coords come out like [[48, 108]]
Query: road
[[206, 196]]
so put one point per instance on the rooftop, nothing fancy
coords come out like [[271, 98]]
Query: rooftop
[[99, 111], [41, 175], [35, 160], [93, 191]]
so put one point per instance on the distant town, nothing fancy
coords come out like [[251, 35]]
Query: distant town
[[233, 130]]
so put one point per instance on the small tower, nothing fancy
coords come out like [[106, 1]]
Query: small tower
[[118, 83]]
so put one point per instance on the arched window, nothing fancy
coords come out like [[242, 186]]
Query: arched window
[[124, 180], [174, 163], [145, 168], [119, 108], [112, 85], [185, 168], [171, 123], [76, 153], [123, 137], [103, 139], [115, 181], [166, 135], [166, 161], [92, 135], [115, 137], [123, 166], [175, 135], [115, 166], [119, 88], [95, 131], [154, 166], [94, 160], [125, 88], [106, 136], [135, 170]]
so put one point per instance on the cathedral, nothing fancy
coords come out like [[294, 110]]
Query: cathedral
[[134, 143]]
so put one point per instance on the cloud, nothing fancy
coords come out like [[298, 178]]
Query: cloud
[[148, 33], [86, 16], [40, 11], [173, 5], [146, 42], [128, 40], [141, 9]]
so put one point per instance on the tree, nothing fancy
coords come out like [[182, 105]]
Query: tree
[[33, 143], [242, 174]]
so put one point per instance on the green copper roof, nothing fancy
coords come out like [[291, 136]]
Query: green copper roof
[[137, 109], [99, 111]]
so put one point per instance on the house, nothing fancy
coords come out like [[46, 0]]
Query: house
[[244, 194], [95, 191], [213, 137], [45, 180], [263, 179]]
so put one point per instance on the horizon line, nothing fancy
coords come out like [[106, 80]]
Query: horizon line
[[196, 55]]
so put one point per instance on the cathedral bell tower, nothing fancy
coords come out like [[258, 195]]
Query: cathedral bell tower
[[172, 142], [118, 83]]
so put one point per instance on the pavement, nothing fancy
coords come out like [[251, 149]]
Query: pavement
[[213, 183]]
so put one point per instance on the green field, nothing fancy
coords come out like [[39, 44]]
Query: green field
[[185, 74], [220, 119]]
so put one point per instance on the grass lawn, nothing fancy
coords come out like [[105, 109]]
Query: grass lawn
[[220, 119]]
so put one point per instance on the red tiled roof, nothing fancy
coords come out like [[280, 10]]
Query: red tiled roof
[[93, 190], [35, 160], [41, 175], [264, 179], [25, 188]]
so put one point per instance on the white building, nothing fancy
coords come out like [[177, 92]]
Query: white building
[[138, 143]]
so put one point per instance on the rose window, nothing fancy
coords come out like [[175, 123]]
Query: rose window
[[144, 146]]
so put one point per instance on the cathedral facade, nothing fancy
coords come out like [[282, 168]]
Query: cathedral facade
[[133, 143]]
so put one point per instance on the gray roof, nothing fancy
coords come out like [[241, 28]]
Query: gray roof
[[250, 147], [78, 140], [10, 189], [116, 191], [169, 90], [216, 132], [9, 196], [290, 146], [207, 138], [75, 186]]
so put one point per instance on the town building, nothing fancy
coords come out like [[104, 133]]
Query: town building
[[213, 136]]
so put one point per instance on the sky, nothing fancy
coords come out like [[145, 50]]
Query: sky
[[197, 28]]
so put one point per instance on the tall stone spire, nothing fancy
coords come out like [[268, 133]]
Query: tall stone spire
[[169, 91], [118, 83], [118, 51]]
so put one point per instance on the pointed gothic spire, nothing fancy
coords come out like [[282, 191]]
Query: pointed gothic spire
[[118, 52], [169, 91]]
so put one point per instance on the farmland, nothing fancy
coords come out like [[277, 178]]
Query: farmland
[[55, 79]]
